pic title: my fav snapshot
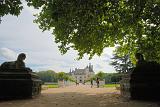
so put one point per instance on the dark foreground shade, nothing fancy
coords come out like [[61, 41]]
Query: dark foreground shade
[[143, 83], [19, 83]]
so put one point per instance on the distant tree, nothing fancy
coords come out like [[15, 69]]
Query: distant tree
[[100, 75], [121, 62], [47, 76], [113, 77], [62, 76], [71, 79], [116, 78], [108, 77], [66, 77]]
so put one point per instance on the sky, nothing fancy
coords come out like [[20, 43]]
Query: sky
[[20, 34]]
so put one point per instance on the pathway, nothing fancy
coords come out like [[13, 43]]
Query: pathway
[[78, 96]]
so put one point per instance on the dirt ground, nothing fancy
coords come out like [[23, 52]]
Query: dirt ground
[[78, 96]]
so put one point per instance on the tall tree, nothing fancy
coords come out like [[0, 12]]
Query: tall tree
[[89, 26], [122, 64]]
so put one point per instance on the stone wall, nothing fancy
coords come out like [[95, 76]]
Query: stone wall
[[63, 83]]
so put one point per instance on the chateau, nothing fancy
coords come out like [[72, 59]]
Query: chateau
[[80, 75]]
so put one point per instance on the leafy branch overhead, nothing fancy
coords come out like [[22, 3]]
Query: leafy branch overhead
[[89, 26], [12, 7]]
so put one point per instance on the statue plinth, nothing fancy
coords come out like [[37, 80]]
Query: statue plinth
[[143, 83], [19, 83]]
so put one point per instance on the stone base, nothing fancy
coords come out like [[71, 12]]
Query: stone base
[[141, 86], [19, 83]]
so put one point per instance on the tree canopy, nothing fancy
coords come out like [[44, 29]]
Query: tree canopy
[[89, 26], [12, 7]]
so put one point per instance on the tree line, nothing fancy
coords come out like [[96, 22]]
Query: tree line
[[52, 76]]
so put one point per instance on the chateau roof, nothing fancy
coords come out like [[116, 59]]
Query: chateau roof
[[82, 71]]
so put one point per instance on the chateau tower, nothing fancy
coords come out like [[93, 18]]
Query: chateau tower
[[81, 75]]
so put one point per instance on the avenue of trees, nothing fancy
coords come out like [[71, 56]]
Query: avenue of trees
[[89, 26]]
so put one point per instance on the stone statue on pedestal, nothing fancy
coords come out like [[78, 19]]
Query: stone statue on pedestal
[[18, 64]]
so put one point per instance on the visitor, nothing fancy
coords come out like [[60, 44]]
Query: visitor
[[91, 83], [97, 81], [77, 83]]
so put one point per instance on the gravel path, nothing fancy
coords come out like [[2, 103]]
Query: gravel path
[[78, 96]]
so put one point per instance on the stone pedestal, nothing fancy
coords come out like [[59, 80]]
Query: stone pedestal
[[143, 83], [125, 87], [61, 83], [19, 83]]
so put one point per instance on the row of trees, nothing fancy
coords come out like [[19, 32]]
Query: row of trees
[[48, 76], [52, 76], [113, 77], [108, 77]]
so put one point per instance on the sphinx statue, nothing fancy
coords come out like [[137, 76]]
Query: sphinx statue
[[18, 81], [18, 64]]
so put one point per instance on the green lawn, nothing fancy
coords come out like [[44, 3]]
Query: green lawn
[[46, 86], [111, 85], [52, 86]]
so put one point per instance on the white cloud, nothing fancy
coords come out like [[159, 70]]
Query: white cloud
[[8, 54], [99, 66]]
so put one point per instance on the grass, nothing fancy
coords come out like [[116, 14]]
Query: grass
[[111, 85], [52, 86], [46, 86]]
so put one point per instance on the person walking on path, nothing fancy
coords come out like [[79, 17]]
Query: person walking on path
[[91, 83], [77, 83], [97, 81]]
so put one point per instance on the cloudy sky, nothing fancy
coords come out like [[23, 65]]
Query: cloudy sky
[[20, 34]]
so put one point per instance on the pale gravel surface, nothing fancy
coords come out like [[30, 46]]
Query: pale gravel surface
[[78, 96]]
